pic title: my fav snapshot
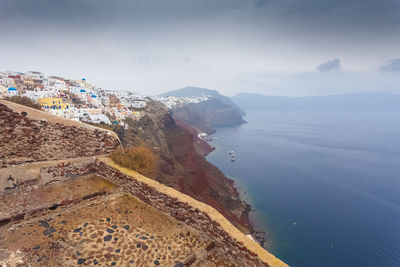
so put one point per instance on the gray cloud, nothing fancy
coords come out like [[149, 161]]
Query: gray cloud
[[314, 14], [165, 44], [332, 65], [392, 66]]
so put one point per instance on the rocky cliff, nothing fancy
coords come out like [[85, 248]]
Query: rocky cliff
[[218, 111], [201, 146], [207, 115], [181, 167]]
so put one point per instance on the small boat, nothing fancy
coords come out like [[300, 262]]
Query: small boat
[[231, 152], [233, 159]]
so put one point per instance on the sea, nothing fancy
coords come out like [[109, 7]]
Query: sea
[[324, 186]]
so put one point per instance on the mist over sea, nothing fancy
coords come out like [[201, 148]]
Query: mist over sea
[[325, 185]]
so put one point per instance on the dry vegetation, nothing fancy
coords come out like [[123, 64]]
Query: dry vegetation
[[23, 100], [139, 158]]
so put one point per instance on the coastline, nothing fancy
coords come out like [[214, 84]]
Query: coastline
[[256, 231]]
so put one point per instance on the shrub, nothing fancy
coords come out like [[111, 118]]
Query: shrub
[[23, 100], [139, 158]]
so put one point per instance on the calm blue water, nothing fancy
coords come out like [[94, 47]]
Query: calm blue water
[[325, 187]]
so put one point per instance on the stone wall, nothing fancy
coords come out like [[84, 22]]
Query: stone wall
[[68, 169], [186, 213], [25, 176], [23, 139], [18, 182]]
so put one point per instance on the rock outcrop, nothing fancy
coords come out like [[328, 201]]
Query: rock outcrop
[[201, 146], [217, 111], [23, 139], [207, 115]]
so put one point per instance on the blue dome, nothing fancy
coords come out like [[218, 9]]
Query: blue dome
[[82, 91], [94, 96], [83, 79], [12, 89]]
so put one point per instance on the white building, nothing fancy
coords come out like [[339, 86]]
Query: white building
[[74, 89], [94, 99], [65, 113], [82, 93], [136, 104], [39, 93], [56, 83], [35, 75], [96, 118], [7, 82], [12, 91]]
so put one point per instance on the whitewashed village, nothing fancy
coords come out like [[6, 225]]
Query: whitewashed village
[[80, 100]]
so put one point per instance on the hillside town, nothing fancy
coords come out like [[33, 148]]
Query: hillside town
[[172, 101], [79, 100], [73, 99]]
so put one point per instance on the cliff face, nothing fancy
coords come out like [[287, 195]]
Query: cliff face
[[219, 110], [206, 115], [200, 145], [181, 167]]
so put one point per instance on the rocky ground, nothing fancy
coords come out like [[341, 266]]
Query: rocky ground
[[108, 229]]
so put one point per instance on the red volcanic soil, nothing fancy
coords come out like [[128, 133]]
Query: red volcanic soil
[[201, 146], [203, 180]]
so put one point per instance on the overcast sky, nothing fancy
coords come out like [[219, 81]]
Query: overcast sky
[[275, 47]]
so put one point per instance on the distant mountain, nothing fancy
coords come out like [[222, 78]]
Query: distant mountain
[[197, 91], [344, 102]]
